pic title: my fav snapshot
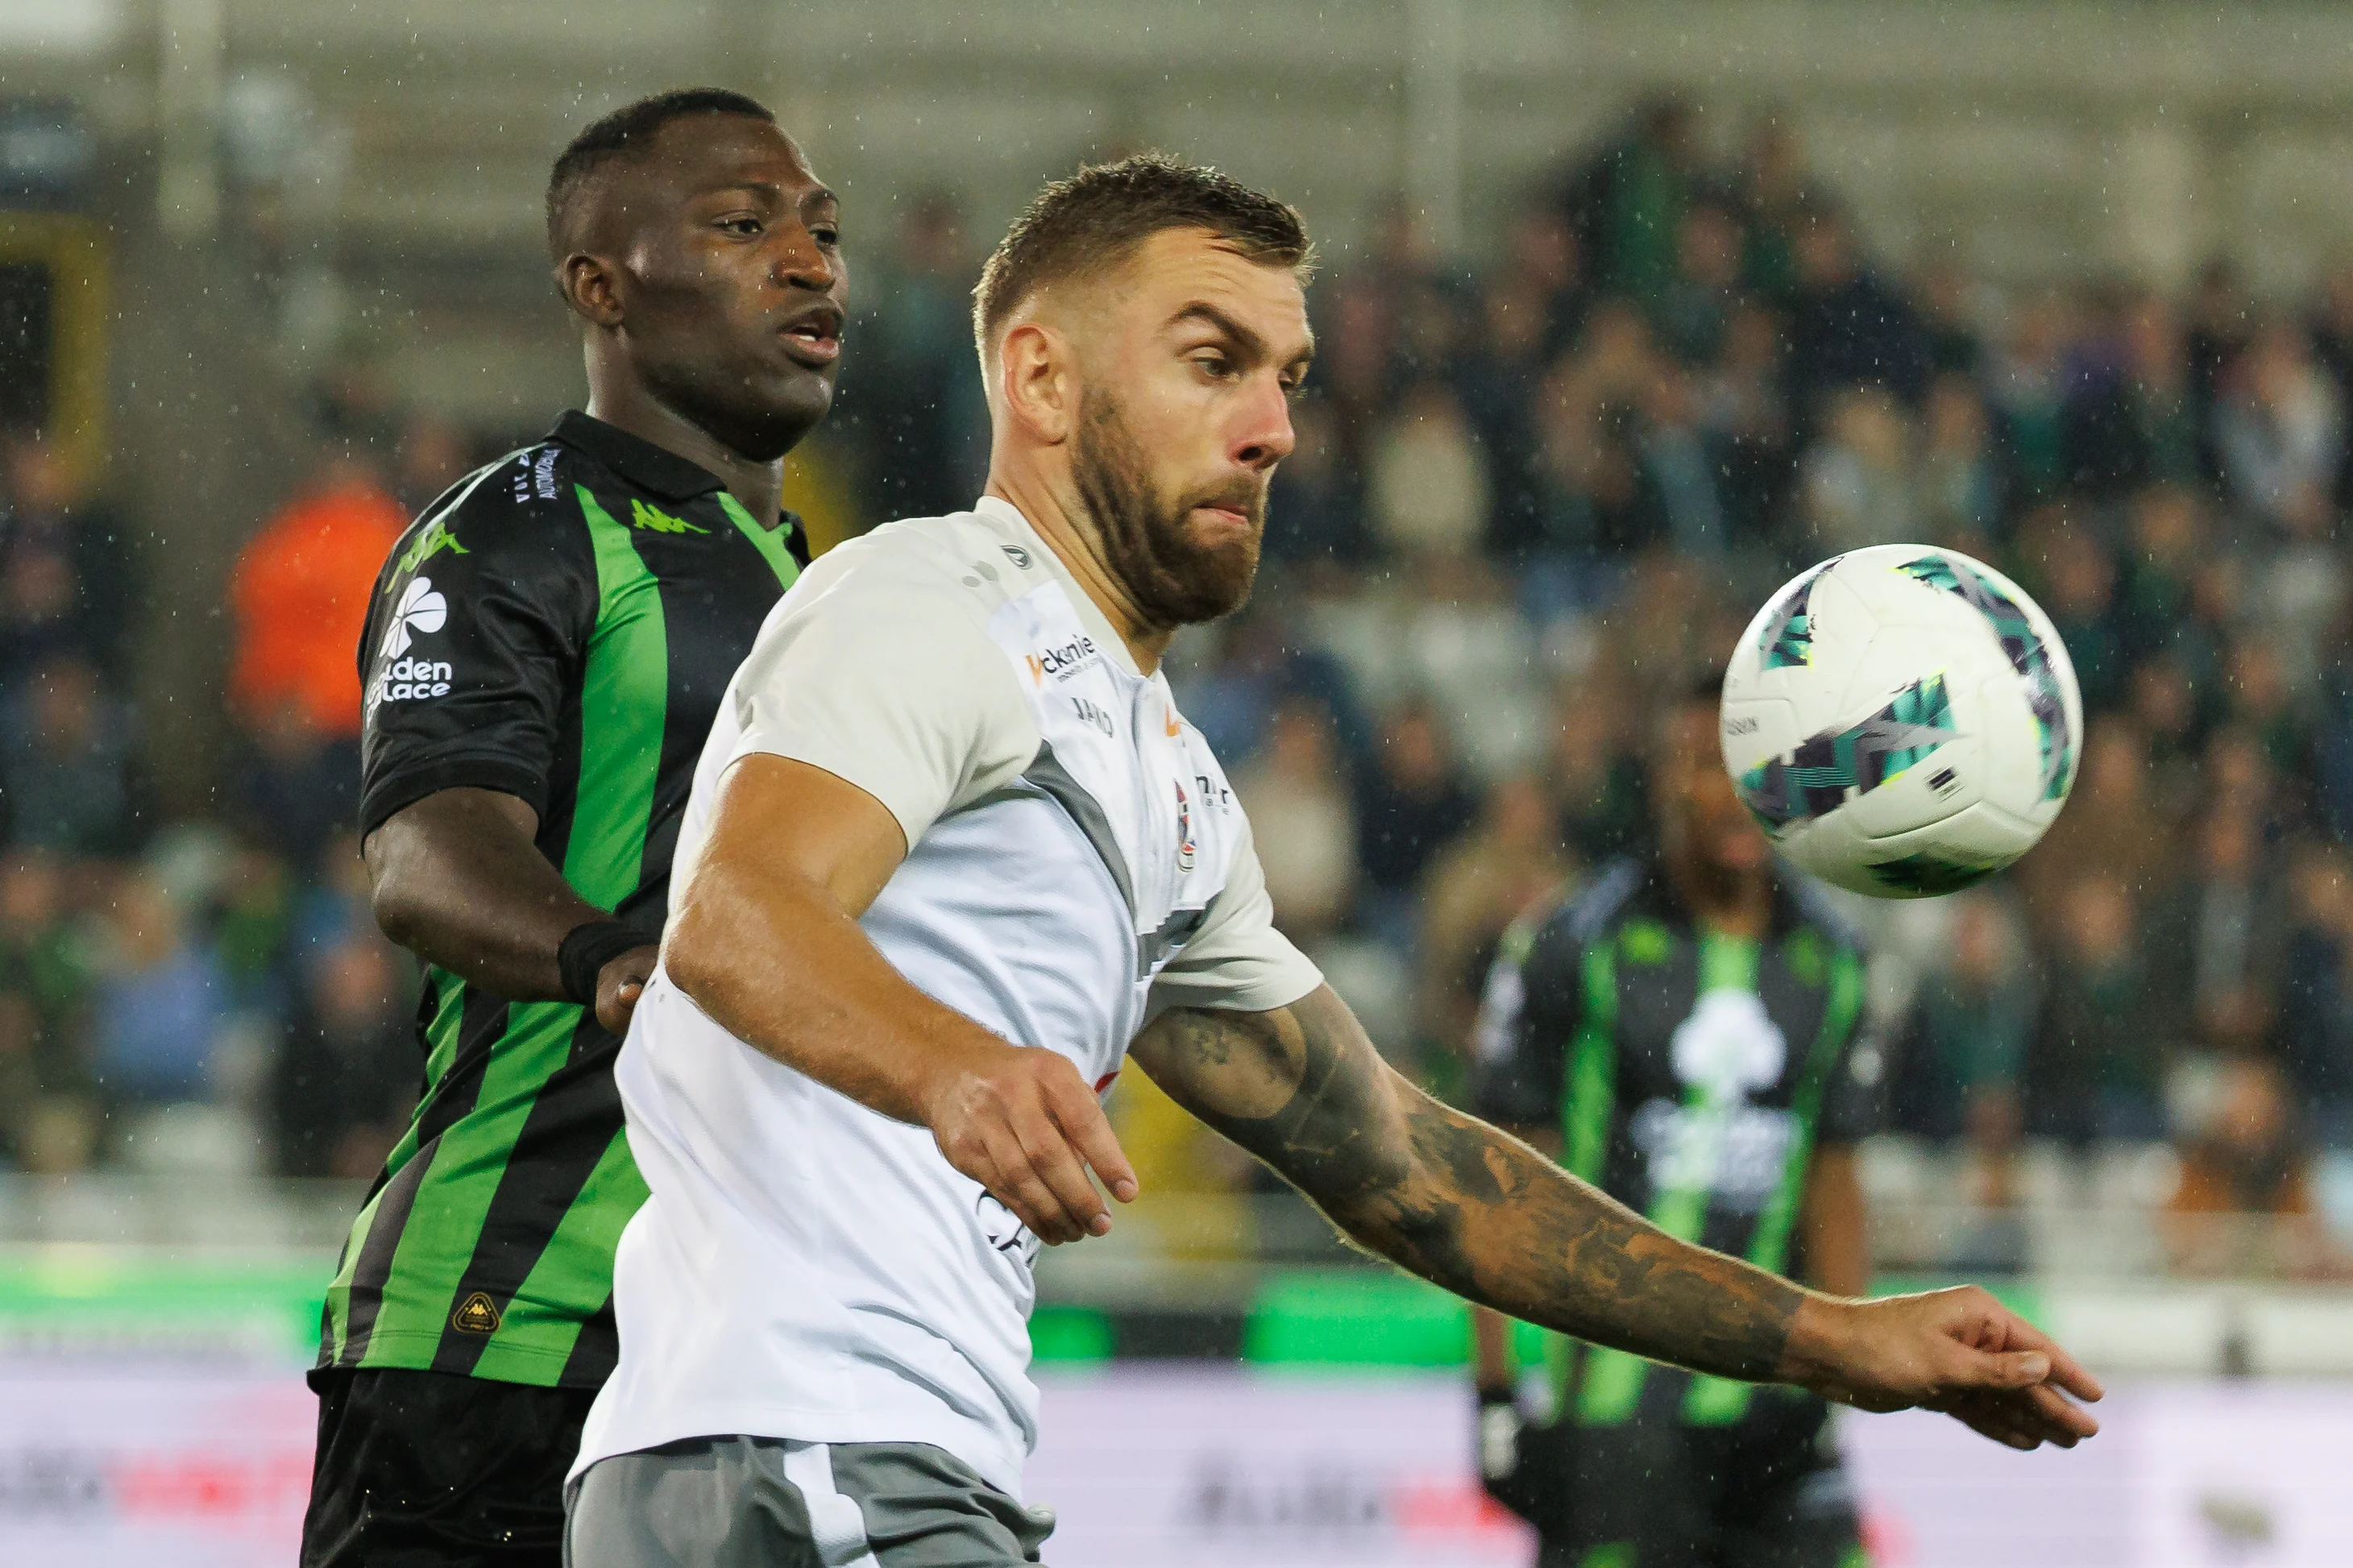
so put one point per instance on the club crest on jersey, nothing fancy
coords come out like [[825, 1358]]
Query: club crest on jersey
[[1184, 849]]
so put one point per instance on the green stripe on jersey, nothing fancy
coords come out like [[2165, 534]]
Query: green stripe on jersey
[[769, 542], [624, 703], [1613, 1379], [448, 1009], [1720, 1400]]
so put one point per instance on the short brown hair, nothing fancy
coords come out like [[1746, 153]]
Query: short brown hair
[[1099, 215]]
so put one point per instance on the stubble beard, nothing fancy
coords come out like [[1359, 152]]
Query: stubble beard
[[1172, 580]]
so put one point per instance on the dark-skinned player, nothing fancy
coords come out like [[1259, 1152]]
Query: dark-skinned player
[[546, 651], [1685, 1033]]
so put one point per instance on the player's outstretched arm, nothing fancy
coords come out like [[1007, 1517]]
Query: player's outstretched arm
[[1470, 1208]]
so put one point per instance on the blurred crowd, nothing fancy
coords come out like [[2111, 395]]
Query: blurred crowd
[[1526, 499]]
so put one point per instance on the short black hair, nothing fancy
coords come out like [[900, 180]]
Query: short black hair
[[1100, 214], [628, 129]]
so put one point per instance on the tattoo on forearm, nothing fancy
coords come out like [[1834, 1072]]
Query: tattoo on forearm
[[1457, 1201]]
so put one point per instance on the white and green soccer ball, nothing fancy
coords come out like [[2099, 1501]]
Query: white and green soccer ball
[[1902, 721]]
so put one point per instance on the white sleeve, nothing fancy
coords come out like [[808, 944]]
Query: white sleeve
[[1237, 961], [880, 673]]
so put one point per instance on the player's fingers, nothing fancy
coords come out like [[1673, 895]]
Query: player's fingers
[[1975, 1369], [1080, 1117], [1059, 1167], [1988, 1418], [1019, 1188], [2056, 1415], [2069, 1374]]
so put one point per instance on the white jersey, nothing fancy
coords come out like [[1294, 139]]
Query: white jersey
[[805, 1267]]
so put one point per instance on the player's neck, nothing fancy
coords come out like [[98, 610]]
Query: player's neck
[[1062, 523], [1738, 906], [759, 487]]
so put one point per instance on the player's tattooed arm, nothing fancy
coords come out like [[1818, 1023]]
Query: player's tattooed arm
[[1458, 1202], [1480, 1212]]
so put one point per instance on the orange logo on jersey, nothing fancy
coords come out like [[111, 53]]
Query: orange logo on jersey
[[1174, 728], [1037, 671]]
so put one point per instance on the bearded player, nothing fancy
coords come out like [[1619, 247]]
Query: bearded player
[[927, 906]]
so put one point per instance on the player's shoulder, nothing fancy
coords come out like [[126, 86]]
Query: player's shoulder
[[1809, 905], [970, 559], [519, 511], [1576, 916]]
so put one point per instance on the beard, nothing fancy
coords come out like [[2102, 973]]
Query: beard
[[1171, 580]]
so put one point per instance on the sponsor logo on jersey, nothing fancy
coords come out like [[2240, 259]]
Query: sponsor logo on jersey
[[1015, 554], [543, 474], [435, 538], [408, 677], [653, 520], [1186, 854], [1093, 714], [1063, 660], [420, 613], [1174, 725]]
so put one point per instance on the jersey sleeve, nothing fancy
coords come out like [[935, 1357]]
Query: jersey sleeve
[[1528, 1016], [1854, 1097], [877, 670], [475, 639], [1237, 960]]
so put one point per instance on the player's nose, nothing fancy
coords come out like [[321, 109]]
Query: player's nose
[[1264, 437], [798, 261]]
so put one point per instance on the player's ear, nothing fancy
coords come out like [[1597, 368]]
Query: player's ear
[[1037, 373], [591, 288]]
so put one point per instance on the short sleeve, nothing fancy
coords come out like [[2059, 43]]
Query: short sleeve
[[877, 670], [1238, 961], [1528, 1016], [475, 637], [1854, 1097]]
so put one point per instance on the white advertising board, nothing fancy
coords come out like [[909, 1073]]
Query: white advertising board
[[1172, 1465]]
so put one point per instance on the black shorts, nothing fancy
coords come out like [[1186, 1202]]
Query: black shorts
[[428, 1469], [1655, 1491]]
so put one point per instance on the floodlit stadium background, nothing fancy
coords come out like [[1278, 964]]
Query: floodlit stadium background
[[1627, 309]]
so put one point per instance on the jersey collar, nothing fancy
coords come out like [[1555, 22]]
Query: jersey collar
[[639, 461]]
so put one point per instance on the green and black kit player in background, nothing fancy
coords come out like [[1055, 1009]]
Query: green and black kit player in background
[[1685, 1033], [549, 645]]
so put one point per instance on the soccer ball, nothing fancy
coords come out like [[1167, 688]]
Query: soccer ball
[[1902, 721]]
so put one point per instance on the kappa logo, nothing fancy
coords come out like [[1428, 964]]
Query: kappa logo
[[1064, 662], [435, 538], [477, 1314], [420, 613], [653, 520]]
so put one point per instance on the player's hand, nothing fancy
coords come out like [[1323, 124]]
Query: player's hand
[[1959, 1352], [1023, 1123], [619, 984]]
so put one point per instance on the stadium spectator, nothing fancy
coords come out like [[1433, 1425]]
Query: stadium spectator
[[1426, 479], [346, 1081], [300, 596], [2280, 430], [2137, 423], [2216, 940], [1475, 889], [65, 562], [1977, 1015], [1302, 820], [65, 762], [161, 1000], [2244, 1202], [1857, 481], [2315, 1032], [911, 397], [1410, 804], [434, 454], [1956, 496], [2101, 1067]]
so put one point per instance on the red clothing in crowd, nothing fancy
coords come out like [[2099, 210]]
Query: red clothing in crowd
[[300, 596]]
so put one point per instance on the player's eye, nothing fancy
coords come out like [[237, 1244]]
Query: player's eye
[[743, 226], [1214, 365], [825, 234]]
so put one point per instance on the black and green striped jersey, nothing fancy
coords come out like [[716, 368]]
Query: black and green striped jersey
[[560, 627], [1691, 1075]]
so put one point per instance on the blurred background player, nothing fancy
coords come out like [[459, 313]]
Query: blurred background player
[[1684, 1034], [546, 649]]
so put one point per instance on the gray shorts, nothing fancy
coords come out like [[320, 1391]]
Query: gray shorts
[[766, 1502]]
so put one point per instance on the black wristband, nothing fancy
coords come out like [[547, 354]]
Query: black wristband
[[585, 950]]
